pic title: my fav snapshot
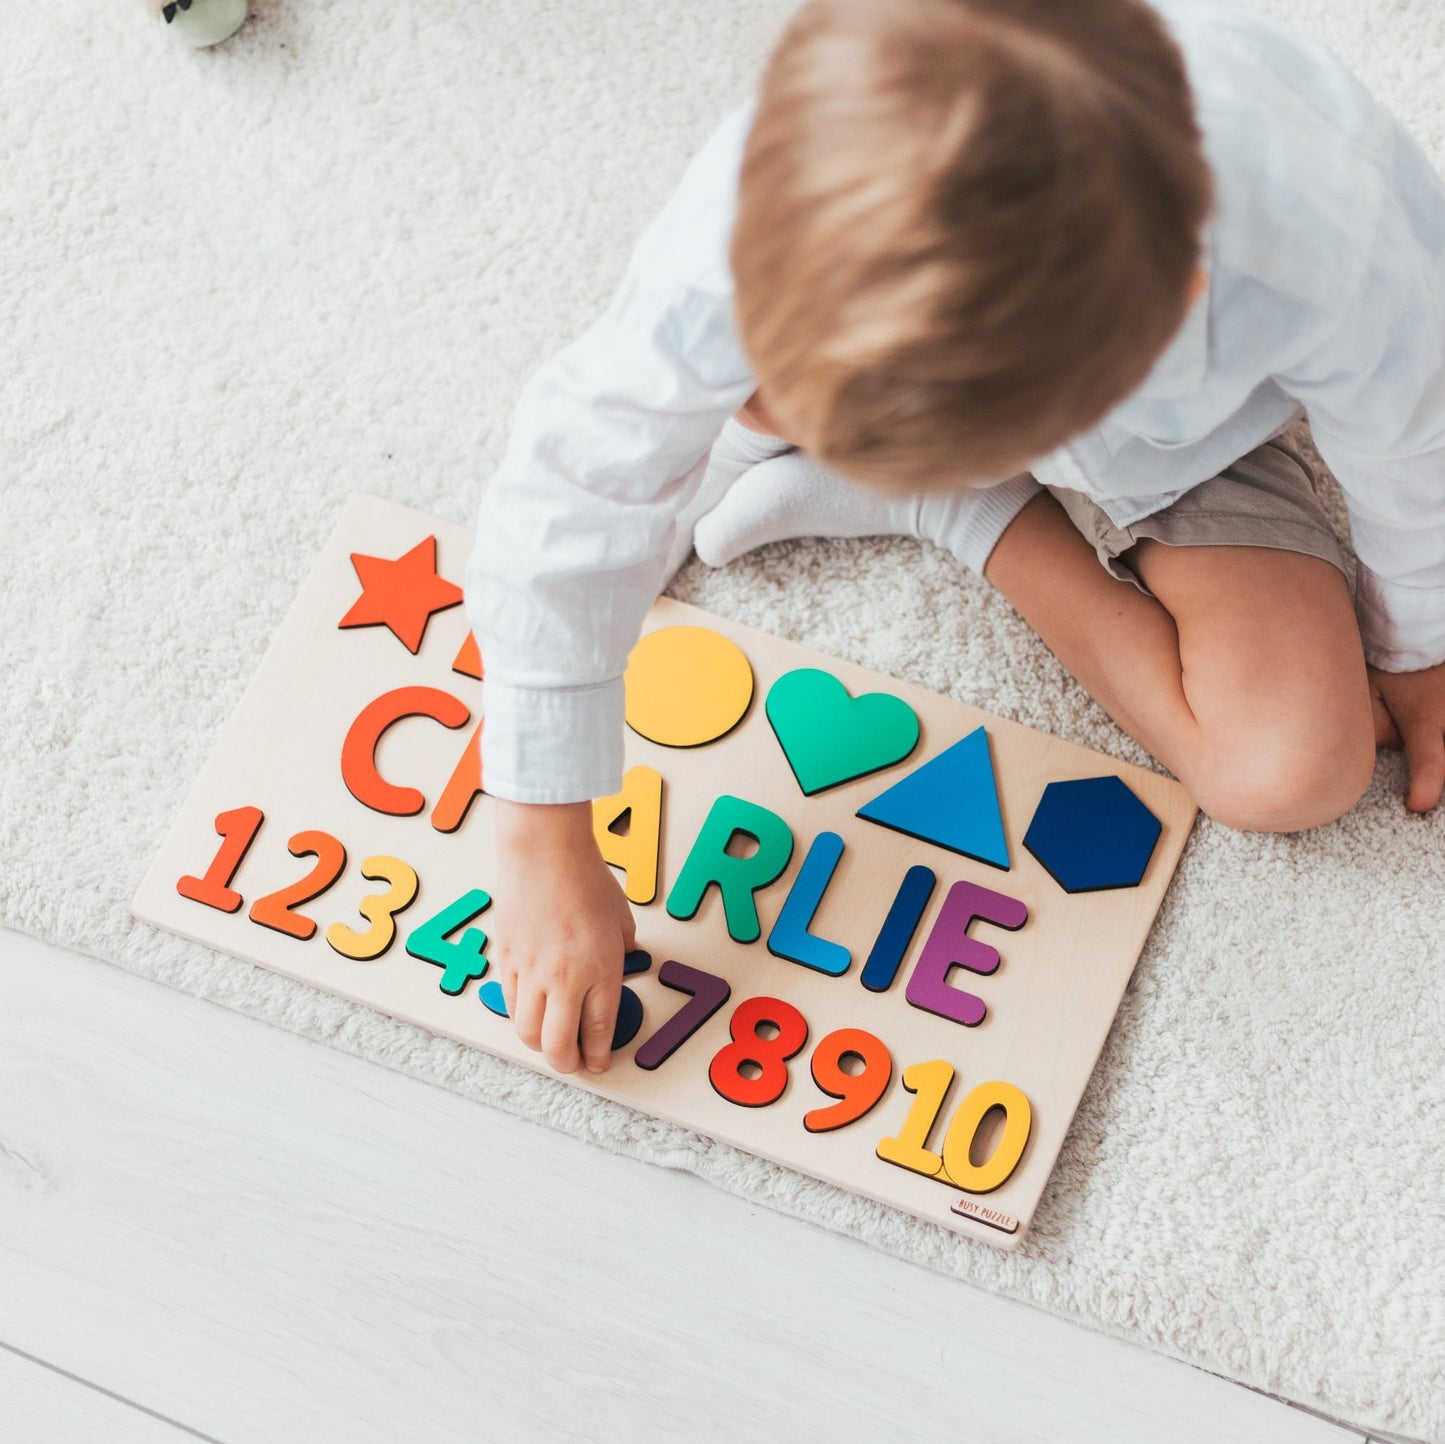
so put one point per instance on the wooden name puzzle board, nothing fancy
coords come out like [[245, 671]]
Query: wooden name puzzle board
[[882, 935]]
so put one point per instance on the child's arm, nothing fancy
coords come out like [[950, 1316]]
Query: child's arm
[[1374, 390], [608, 446]]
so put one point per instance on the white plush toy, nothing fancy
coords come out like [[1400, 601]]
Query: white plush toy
[[200, 22]]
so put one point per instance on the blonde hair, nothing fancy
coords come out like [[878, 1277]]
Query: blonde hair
[[966, 228]]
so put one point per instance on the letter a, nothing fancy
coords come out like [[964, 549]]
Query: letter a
[[635, 850]]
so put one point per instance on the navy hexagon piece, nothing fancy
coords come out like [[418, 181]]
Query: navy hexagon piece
[[1092, 833]]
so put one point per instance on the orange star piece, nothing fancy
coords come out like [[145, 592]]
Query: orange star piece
[[402, 593]]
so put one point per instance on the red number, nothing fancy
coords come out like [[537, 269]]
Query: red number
[[768, 1055], [238, 829], [275, 909], [858, 1091]]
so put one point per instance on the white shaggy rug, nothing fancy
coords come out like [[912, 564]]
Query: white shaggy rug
[[237, 286]]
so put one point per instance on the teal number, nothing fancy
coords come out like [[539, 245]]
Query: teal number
[[460, 961]]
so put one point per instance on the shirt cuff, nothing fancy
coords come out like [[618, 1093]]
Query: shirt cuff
[[552, 744], [1403, 628], [994, 508]]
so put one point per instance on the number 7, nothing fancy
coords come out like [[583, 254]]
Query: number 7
[[709, 993]]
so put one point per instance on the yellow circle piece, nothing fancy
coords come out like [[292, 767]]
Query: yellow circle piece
[[687, 686]]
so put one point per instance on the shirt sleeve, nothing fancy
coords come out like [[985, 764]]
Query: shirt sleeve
[[1374, 391], [609, 442]]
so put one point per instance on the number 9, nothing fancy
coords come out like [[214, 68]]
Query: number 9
[[858, 1091]]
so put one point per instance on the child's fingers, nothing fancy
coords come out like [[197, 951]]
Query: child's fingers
[[559, 1032], [599, 1022], [527, 1007], [1425, 755], [1386, 733]]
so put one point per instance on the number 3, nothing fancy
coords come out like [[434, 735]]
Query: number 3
[[380, 909]]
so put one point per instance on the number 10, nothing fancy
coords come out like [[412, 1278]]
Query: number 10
[[930, 1082]]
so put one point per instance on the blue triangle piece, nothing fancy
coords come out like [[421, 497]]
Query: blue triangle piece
[[951, 800]]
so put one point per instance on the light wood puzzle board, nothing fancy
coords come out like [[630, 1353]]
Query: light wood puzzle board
[[1048, 1004]]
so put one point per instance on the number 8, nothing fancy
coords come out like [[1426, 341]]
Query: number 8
[[770, 1055]]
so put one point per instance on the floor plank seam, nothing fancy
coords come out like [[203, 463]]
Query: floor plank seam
[[108, 1393]]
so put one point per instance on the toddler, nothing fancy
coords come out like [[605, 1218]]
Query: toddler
[[1045, 282]]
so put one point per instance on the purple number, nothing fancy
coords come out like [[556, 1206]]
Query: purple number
[[709, 993], [949, 946]]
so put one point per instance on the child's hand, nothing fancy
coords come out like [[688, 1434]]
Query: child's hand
[[1410, 713], [562, 927]]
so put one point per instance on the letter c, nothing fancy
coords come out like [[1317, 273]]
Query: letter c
[[358, 752]]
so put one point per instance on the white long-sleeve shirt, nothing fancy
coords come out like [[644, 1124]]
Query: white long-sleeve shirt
[[1326, 262]]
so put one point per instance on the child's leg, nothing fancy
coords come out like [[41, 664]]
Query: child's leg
[[738, 449], [1244, 672]]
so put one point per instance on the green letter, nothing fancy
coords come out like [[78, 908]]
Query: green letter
[[737, 878]]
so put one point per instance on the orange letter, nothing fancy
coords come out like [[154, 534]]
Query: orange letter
[[465, 785], [358, 752]]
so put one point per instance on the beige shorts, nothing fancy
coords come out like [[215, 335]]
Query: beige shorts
[[1266, 499]]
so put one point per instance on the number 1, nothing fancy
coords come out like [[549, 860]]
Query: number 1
[[238, 829], [930, 1082]]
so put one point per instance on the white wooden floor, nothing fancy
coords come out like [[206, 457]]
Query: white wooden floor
[[211, 1228]]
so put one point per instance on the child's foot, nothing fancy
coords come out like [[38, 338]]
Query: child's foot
[[734, 452], [203, 22], [794, 496]]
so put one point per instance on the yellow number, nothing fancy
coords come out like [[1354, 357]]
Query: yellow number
[[930, 1082], [1018, 1120], [380, 909]]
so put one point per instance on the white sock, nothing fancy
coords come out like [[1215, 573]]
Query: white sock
[[735, 450], [794, 496]]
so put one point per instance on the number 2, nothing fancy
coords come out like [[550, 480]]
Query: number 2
[[276, 909]]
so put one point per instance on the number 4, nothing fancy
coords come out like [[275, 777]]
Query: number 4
[[460, 961]]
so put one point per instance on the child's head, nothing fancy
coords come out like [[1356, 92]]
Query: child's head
[[966, 228]]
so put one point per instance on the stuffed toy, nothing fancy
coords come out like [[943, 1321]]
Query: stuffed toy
[[200, 22]]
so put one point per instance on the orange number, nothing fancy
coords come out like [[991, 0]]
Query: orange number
[[238, 829], [275, 909], [858, 1091]]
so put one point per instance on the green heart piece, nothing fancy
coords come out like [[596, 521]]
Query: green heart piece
[[829, 736]]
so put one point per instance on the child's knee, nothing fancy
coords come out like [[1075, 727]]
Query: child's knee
[[1285, 778]]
